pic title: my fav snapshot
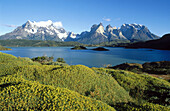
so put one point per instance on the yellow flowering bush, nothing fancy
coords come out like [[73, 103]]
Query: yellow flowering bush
[[28, 85], [19, 94], [141, 86]]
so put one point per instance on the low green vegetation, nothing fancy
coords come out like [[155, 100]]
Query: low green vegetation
[[40, 43], [44, 60], [79, 48], [4, 48], [19, 94], [161, 67], [30, 85], [141, 87], [35, 43], [140, 107], [114, 43]]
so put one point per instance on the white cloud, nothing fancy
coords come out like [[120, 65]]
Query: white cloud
[[106, 19], [7, 25], [58, 24], [117, 19]]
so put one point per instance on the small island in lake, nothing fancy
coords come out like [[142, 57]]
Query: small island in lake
[[100, 49], [79, 48]]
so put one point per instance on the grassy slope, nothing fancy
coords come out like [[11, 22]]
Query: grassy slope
[[24, 80], [19, 94], [4, 48], [78, 78], [141, 86]]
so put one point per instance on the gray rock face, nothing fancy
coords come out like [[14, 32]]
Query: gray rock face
[[95, 36], [37, 31], [98, 35], [138, 32], [47, 30]]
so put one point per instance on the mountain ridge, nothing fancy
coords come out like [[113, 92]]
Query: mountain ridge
[[48, 30]]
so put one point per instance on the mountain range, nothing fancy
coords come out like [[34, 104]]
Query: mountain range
[[47, 30]]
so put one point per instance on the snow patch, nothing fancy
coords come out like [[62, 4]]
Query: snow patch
[[58, 24], [62, 35], [46, 24], [31, 30], [43, 23], [100, 29]]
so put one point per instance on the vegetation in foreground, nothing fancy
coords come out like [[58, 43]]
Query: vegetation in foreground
[[29, 85], [159, 69], [44, 60]]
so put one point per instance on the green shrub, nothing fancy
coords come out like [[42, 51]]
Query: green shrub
[[142, 86], [61, 60], [25, 84], [43, 59], [9, 64], [78, 78], [4, 48], [140, 107], [19, 94]]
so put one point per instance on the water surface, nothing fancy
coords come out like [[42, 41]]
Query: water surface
[[93, 58]]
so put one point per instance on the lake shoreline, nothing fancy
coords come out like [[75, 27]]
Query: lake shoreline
[[90, 58]]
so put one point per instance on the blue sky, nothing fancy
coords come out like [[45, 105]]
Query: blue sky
[[80, 15]]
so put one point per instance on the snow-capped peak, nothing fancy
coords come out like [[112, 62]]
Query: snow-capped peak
[[72, 35], [45, 24], [48, 28], [134, 25]]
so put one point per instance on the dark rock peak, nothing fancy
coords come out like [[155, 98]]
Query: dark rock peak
[[94, 27], [166, 36], [109, 26], [27, 24], [100, 24]]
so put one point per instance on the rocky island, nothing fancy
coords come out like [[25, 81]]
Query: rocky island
[[100, 49], [79, 48]]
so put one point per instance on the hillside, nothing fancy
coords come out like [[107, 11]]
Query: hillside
[[35, 43], [162, 43], [4, 48], [25, 84]]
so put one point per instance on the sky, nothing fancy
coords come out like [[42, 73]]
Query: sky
[[80, 15]]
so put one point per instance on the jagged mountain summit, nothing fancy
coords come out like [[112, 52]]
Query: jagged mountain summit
[[43, 30], [98, 34], [48, 30]]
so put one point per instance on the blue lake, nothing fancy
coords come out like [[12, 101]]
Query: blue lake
[[93, 58]]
